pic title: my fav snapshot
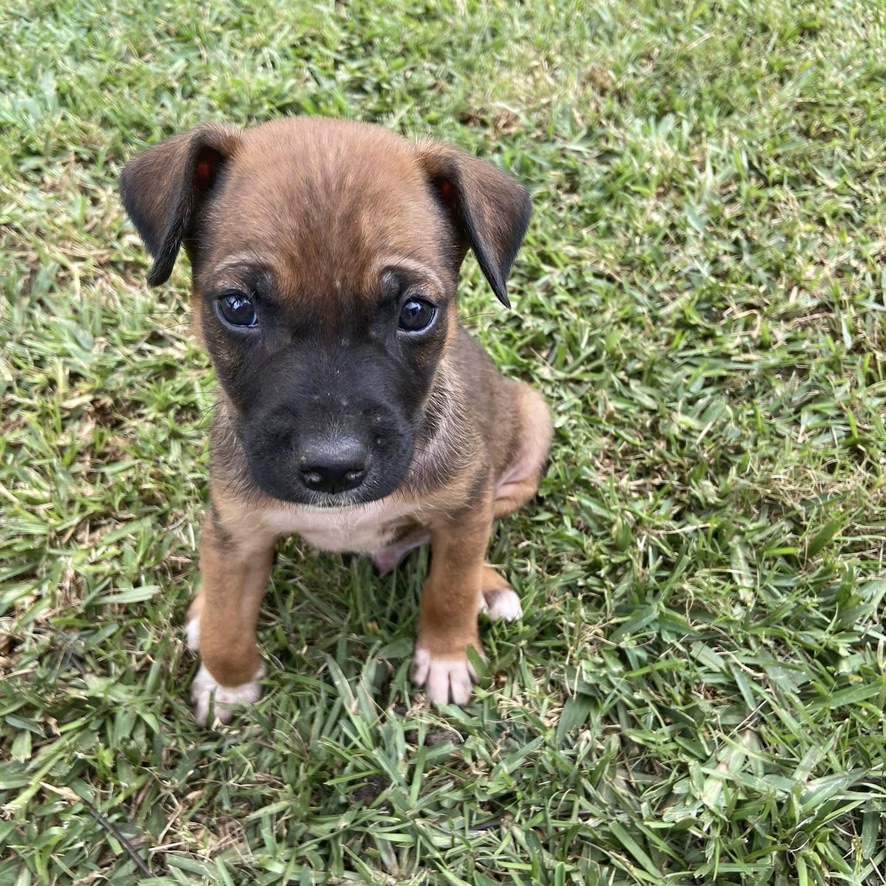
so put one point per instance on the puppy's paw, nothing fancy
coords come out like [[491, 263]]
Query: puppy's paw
[[208, 694], [500, 601], [446, 680], [502, 604]]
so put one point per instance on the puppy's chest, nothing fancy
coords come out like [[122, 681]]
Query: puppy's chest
[[360, 529]]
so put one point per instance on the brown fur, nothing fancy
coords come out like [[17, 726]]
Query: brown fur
[[322, 208]]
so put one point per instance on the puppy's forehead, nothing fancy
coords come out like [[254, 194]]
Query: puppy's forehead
[[325, 203]]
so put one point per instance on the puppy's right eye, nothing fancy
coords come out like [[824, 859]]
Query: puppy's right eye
[[237, 309], [416, 315]]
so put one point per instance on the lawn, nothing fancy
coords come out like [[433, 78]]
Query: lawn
[[696, 692]]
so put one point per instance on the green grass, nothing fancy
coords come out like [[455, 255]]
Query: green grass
[[696, 692]]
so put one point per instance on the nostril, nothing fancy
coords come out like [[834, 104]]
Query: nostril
[[312, 478], [354, 477]]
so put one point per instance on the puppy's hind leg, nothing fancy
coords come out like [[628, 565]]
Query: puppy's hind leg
[[518, 482]]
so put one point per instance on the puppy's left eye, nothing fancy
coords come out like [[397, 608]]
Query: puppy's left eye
[[416, 315], [237, 309]]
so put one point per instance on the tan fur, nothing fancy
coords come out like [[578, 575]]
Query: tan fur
[[325, 207]]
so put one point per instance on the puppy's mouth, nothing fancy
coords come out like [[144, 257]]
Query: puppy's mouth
[[332, 501]]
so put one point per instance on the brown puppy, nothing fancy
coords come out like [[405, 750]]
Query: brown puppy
[[354, 409]]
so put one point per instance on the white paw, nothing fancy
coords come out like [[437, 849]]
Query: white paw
[[192, 634], [207, 694], [502, 605], [446, 679]]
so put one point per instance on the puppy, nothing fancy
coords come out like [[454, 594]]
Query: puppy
[[353, 408]]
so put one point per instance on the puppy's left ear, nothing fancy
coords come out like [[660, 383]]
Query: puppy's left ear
[[488, 209]]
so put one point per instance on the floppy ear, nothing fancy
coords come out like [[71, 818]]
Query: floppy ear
[[165, 188], [488, 208]]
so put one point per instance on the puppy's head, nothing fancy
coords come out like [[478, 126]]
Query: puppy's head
[[324, 258]]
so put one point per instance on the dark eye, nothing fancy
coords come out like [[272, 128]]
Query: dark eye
[[416, 315], [237, 309]]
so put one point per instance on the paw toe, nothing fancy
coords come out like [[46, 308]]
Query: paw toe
[[192, 634], [421, 666]]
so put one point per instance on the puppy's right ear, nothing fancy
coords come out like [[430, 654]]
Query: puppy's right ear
[[165, 188]]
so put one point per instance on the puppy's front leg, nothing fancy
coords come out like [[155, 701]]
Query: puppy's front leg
[[223, 616], [450, 604]]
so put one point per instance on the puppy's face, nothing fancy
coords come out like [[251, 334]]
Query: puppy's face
[[324, 295], [325, 257]]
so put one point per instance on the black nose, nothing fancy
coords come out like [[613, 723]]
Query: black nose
[[333, 466]]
